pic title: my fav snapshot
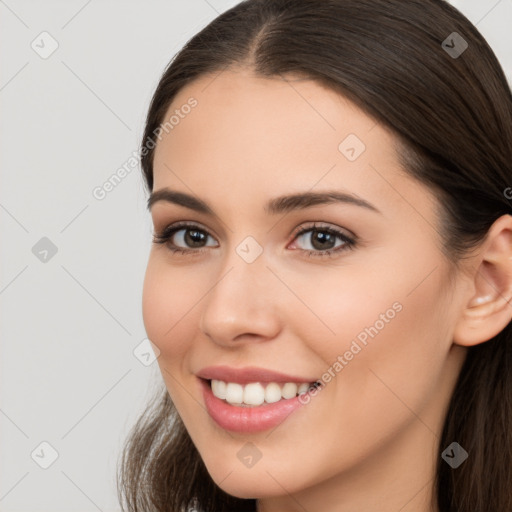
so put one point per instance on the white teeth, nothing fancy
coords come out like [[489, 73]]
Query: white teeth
[[303, 388], [272, 393], [255, 393], [289, 390], [234, 393], [219, 389]]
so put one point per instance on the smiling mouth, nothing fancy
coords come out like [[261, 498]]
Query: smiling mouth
[[254, 394]]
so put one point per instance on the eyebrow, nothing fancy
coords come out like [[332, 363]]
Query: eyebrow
[[281, 204]]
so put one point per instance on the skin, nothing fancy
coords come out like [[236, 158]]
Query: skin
[[369, 439]]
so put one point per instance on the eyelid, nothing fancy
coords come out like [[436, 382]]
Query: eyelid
[[300, 229], [169, 230], [320, 225], [181, 224], [349, 239]]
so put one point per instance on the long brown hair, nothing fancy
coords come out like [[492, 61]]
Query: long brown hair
[[452, 116]]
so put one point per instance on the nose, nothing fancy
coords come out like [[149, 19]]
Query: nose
[[242, 306]]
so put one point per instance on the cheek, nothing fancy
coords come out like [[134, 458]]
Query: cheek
[[168, 307], [393, 344], [380, 329], [390, 298], [344, 305]]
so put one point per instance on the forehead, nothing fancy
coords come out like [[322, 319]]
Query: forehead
[[282, 132], [237, 107]]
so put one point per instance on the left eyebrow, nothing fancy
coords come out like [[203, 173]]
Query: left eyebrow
[[284, 204], [278, 205]]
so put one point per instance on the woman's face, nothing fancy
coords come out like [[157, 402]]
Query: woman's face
[[371, 319]]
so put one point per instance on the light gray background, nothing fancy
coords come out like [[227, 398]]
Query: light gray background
[[69, 326]]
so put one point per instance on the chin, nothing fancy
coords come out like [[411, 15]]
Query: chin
[[247, 483]]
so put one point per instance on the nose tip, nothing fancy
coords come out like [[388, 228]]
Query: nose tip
[[240, 307]]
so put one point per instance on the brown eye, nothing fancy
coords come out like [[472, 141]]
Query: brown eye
[[184, 238], [322, 241], [193, 237]]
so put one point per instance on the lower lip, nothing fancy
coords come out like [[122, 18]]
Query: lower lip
[[247, 419]]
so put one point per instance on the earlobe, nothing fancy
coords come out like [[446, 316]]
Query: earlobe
[[489, 309], [481, 299]]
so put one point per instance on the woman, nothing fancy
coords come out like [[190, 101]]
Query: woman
[[331, 272]]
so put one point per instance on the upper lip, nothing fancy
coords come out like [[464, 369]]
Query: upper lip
[[247, 375]]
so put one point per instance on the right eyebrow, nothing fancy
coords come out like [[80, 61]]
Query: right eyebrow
[[179, 198]]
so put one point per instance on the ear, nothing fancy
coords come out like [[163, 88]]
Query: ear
[[488, 309]]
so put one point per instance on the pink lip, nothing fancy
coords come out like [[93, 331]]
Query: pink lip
[[247, 419], [248, 374]]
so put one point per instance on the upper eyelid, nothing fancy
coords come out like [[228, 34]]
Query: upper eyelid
[[178, 225], [299, 230], [319, 226], [169, 230]]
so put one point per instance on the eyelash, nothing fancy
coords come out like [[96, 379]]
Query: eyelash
[[164, 236]]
